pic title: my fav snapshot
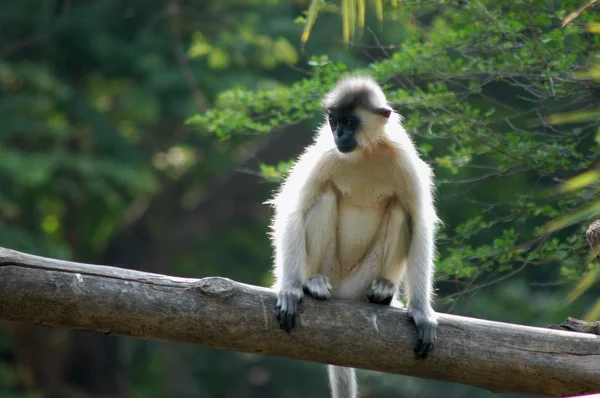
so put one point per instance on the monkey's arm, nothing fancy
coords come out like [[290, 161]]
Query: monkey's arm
[[290, 259], [420, 271], [299, 194]]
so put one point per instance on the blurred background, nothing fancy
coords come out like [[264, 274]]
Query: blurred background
[[148, 134]]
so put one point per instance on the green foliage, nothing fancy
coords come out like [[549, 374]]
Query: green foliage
[[478, 91], [275, 173], [243, 48], [93, 96], [352, 14], [93, 151], [586, 183]]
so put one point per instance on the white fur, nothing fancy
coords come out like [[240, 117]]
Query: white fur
[[319, 286], [359, 216], [381, 289], [342, 382]]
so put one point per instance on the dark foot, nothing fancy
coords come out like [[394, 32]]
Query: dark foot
[[318, 286], [426, 330], [287, 305], [381, 291]]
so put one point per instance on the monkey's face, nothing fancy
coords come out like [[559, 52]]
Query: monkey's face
[[344, 127]]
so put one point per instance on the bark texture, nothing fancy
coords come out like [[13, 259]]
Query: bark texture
[[577, 325], [221, 313]]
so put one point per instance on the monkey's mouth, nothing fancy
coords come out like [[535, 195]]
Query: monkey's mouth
[[346, 148]]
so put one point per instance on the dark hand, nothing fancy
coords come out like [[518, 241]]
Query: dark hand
[[426, 329], [287, 305]]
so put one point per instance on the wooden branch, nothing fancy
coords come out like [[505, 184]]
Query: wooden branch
[[219, 312], [577, 325]]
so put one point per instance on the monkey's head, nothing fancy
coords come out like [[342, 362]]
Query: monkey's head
[[357, 112]]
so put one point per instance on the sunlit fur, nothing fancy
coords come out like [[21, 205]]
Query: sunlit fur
[[359, 216], [359, 89]]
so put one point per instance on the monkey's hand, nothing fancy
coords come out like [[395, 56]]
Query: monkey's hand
[[287, 305], [381, 291], [426, 328], [318, 286]]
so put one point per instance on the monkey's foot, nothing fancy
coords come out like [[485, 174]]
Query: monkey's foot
[[426, 330], [381, 291], [287, 305], [318, 286]]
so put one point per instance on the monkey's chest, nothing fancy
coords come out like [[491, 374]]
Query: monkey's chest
[[362, 218], [371, 190], [357, 229]]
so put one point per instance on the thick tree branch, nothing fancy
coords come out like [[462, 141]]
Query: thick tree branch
[[219, 312], [577, 325]]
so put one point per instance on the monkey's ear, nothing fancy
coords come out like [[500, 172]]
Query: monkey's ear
[[384, 111]]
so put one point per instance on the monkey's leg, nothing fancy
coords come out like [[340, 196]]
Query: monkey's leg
[[395, 236], [320, 244]]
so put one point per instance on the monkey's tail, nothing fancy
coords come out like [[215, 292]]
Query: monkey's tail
[[342, 382]]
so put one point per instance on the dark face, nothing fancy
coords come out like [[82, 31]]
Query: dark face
[[344, 126]]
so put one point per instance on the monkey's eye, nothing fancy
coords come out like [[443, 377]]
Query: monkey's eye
[[348, 123], [332, 122]]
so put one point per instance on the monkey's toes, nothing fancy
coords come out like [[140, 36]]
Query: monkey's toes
[[381, 291], [287, 305], [318, 286]]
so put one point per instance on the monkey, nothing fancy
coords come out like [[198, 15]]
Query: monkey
[[355, 217]]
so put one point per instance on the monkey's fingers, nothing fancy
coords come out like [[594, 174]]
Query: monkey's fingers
[[284, 317], [287, 305], [278, 313], [426, 340], [292, 308], [426, 332]]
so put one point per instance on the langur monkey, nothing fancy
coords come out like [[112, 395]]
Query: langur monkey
[[355, 216]]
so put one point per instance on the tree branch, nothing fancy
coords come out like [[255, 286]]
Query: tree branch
[[577, 325], [221, 313]]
